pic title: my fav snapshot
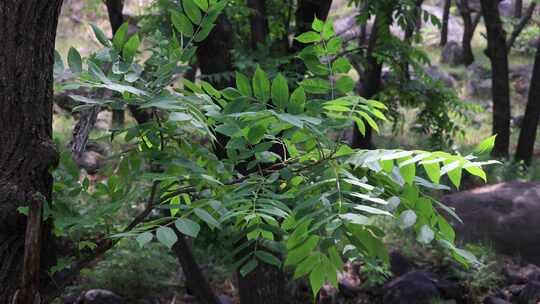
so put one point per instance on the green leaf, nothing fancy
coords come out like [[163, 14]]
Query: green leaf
[[182, 24], [345, 84], [261, 85], [433, 170], [317, 24], [242, 84], [328, 30], [192, 11], [202, 4], [206, 217], [144, 238], [280, 91], [120, 37], [306, 265], [316, 86], [425, 235], [268, 258], [100, 36], [74, 61], [476, 171], [256, 134], [248, 267], [296, 255], [166, 236], [316, 279], [203, 32], [446, 230], [297, 102], [341, 65], [309, 37], [354, 218], [486, 146], [408, 172], [130, 48], [407, 219], [187, 227]]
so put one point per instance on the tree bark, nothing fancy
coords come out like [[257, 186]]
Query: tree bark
[[518, 9], [258, 21], [27, 152], [468, 32], [498, 55], [305, 13], [527, 136], [372, 79], [116, 18], [264, 285], [197, 281], [445, 20]]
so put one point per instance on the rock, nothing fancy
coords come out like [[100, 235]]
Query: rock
[[91, 161], [494, 300], [531, 273], [99, 296], [530, 294], [399, 264], [452, 54], [476, 72], [482, 89], [506, 215], [417, 287], [104, 120], [225, 299], [436, 74]]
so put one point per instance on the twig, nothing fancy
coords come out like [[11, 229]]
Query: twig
[[520, 26]]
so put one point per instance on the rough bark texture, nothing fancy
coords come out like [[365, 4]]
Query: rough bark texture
[[27, 151], [498, 55], [445, 18], [264, 285], [527, 136], [258, 21], [372, 79], [116, 18], [197, 281], [468, 31], [518, 9]]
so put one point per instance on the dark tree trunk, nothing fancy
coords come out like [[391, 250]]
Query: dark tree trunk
[[116, 18], [408, 36], [27, 152], [214, 54], [518, 9], [372, 79], [258, 21], [498, 55], [264, 285], [527, 136], [197, 282], [468, 32], [445, 18], [305, 13]]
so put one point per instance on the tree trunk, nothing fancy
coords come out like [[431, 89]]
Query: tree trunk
[[518, 9], [258, 21], [305, 13], [27, 152], [408, 36], [372, 79], [197, 282], [527, 136], [498, 55], [264, 285], [445, 20], [116, 18], [468, 32]]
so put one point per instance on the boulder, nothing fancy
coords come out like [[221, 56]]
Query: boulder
[[418, 287], [99, 296], [506, 215], [452, 54], [436, 74], [494, 300], [530, 294]]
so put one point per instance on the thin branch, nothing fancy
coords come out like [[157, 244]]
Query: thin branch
[[520, 26]]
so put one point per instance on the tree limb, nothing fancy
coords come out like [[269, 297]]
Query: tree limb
[[520, 26]]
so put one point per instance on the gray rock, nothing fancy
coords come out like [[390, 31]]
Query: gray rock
[[530, 294], [417, 287], [452, 54], [99, 296], [435, 73], [506, 215], [494, 300]]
